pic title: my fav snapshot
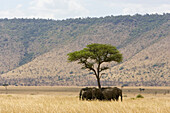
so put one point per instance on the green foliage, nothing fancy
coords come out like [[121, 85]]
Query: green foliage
[[139, 96], [95, 54], [5, 84]]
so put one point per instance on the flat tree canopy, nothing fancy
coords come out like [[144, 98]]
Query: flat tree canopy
[[94, 55]]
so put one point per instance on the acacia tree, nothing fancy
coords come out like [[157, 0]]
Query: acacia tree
[[93, 56]]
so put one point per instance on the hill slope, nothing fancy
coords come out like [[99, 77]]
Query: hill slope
[[139, 38], [149, 67]]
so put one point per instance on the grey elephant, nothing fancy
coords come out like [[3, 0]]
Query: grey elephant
[[118, 93], [90, 94], [86, 93], [97, 94], [110, 93]]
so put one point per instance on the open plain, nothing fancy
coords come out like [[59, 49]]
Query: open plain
[[53, 99]]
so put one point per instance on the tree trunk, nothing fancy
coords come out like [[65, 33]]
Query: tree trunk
[[98, 81], [98, 76]]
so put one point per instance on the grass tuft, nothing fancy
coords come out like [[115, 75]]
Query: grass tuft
[[139, 96]]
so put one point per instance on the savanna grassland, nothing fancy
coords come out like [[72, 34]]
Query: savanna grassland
[[65, 100]]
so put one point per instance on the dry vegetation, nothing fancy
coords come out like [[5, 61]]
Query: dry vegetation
[[143, 40], [62, 104], [149, 67], [68, 102]]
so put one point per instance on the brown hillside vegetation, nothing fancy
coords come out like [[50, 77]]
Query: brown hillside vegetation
[[52, 68], [148, 67], [146, 57]]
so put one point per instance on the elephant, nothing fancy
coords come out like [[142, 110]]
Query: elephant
[[86, 93], [97, 94], [118, 93], [83, 93], [110, 93], [106, 93], [90, 94]]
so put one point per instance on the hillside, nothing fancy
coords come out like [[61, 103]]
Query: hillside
[[149, 67], [35, 50]]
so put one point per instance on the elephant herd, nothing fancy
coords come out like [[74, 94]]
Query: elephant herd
[[106, 93]]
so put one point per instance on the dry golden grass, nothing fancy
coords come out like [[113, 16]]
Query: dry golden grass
[[71, 104], [65, 100]]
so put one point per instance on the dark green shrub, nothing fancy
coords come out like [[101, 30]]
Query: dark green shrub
[[132, 98], [139, 96]]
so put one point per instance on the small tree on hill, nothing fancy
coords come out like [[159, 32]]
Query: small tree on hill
[[6, 85], [93, 56]]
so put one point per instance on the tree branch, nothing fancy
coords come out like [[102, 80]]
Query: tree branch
[[102, 75], [103, 68], [88, 65]]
